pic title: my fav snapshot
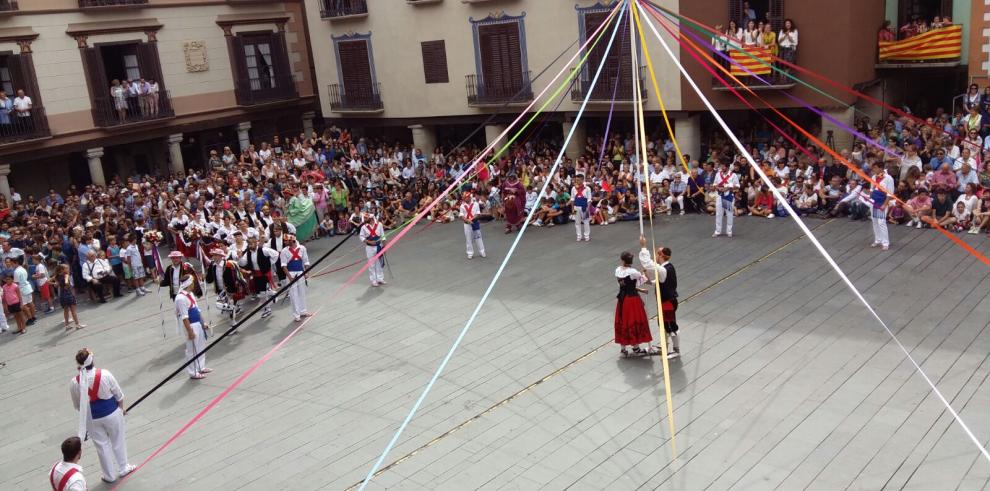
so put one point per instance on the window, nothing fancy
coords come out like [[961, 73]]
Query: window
[[435, 62], [501, 58], [131, 67], [761, 10], [125, 83], [260, 63], [261, 73], [6, 83], [618, 67], [17, 73]]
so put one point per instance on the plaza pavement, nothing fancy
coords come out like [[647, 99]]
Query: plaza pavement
[[786, 381]]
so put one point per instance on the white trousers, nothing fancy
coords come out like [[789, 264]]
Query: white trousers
[[582, 223], [297, 295], [880, 235], [723, 209], [110, 439], [471, 236], [375, 272], [195, 346], [3, 322], [680, 202]]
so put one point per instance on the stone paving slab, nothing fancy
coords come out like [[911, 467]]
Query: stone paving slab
[[786, 381]]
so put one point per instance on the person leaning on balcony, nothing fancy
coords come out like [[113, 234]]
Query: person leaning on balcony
[[886, 33], [144, 96], [133, 106], [768, 39], [6, 107], [119, 95], [22, 106], [788, 40]]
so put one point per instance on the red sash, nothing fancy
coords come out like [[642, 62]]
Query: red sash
[[192, 305], [468, 211], [579, 193], [64, 480], [95, 388], [725, 180], [296, 256], [373, 229]]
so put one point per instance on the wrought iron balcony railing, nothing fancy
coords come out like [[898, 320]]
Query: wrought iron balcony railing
[[342, 101], [498, 90]]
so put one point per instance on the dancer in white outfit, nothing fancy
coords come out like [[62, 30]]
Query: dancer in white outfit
[[469, 211], [295, 260], [580, 197], [878, 200], [97, 396], [726, 184], [371, 234], [191, 325], [66, 475]]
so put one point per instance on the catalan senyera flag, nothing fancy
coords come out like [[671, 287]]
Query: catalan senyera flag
[[757, 60], [937, 44]]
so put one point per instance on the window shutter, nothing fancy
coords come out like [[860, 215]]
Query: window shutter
[[435, 62], [501, 58], [99, 88], [285, 85], [777, 14], [356, 70], [736, 13], [238, 68], [149, 63]]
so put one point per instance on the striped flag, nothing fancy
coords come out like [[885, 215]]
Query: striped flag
[[755, 59], [937, 44]]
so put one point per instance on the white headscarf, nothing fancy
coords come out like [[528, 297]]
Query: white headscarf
[[84, 397]]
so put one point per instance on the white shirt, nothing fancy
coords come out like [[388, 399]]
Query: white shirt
[[286, 255], [646, 259], [132, 255], [108, 387], [96, 269], [785, 42], [23, 104], [958, 163], [370, 229], [251, 256], [183, 304], [75, 483]]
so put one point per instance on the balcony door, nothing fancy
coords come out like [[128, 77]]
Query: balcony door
[[262, 71], [501, 59], [122, 62], [618, 61], [356, 77]]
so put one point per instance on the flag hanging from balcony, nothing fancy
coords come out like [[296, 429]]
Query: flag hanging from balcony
[[757, 60], [937, 44]]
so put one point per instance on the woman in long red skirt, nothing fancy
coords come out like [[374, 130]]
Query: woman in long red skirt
[[632, 327]]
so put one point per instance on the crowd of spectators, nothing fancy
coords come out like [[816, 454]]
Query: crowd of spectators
[[916, 26], [86, 236]]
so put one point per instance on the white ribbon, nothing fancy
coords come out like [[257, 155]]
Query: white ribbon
[[84, 397]]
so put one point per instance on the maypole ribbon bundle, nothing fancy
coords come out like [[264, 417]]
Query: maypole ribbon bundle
[[501, 269], [662, 333], [814, 240]]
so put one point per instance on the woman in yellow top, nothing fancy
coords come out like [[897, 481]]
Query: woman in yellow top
[[768, 39]]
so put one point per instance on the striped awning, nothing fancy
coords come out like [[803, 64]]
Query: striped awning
[[937, 44], [757, 60]]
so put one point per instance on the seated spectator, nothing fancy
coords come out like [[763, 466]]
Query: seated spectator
[[942, 207], [944, 180], [919, 208], [762, 204], [981, 217]]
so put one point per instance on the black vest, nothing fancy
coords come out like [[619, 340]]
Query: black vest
[[668, 289], [264, 264]]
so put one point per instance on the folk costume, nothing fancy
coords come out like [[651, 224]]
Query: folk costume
[[632, 327], [514, 199], [878, 201], [97, 396], [190, 325], [726, 183], [296, 260], [228, 282], [580, 196], [173, 273], [469, 211], [668, 298], [260, 260], [66, 476], [371, 234]]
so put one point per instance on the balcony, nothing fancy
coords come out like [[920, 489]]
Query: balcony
[[250, 92], [342, 102], [480, 93], [108, 112], [14, 128], [777, 81], [343, 9], [933, 49], [754, 68], [8, 6], [606, 87], [110, 3]]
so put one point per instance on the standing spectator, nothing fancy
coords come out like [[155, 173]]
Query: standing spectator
[[6, 107], [21, 277], [886, 33], [133, 93], [768, 39], [23, 106], [12, 302], [748, 14], [119, 95], [153, 97], [41, 279], [972, 98], [66, 297], [788, 41]]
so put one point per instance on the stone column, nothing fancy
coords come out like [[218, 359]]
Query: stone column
[[4, 183], [575, 147], [491, 133], [93, 156], [243, 137], [842, 139], [688, 133], [175, 154], [425, 138], [307, 118]]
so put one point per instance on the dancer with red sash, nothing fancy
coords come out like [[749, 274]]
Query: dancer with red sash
[[469, 211], [97, 396], [192, 327], [726, 184], [66, 475], [878, 201], [260, 259], [668, 293], [295, 260], [632, 327], [580, 195], [371, 234], [228, 282]]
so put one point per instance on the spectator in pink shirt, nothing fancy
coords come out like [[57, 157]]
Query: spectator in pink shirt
[[918, 207], [944, 180]]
